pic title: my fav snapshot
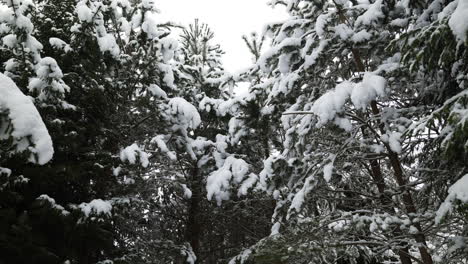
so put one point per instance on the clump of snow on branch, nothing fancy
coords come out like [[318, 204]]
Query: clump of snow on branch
[[370, 88], [458, 191], [190, 255], [27, 127], [219, 182], [275, 229], [459, 20], [327, 106], [185, 113], [187, 191], [49, 83], [332, 102], [161, 143], [327, 171], [133, 153], [97, 207], [157, 91], [60, 44], [372, 14], [53, 204]]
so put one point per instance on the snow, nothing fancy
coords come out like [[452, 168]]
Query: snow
[[372, 14], [159, 141], [247, 184], [84, 12], [343, 123], [361, 36], [24, 23], [399, 22], [116, 171], [34, 46], [169, 46], [311, 59], [332, 102], [218, 182], [393, 140], [157, 91], [413, 230], [6, 14], [150, 26], [269, 54], [26, 122], [97, 206], [298, 200], [327, 171], [343, 31], [51, 201], [48, 68], [60, 44], [187, 191], [267, 172], [131, 153], [10, 40], [327, 106], [458, 22], [185, 112], [321, 23], [368, 90], [191, 257], [242, 257], [275, 229], [49, 83], [5, 171], [284, 62], [107, 43], [458, 191], [377, 148], [168, 75]]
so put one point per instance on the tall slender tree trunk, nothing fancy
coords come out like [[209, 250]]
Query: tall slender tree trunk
[[386, 202], [407, 198], [398, 175], [193, 230]]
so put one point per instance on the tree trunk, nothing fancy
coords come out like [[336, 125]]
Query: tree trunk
[[398, 173], [407, 198], [386, 202], [193, 230]]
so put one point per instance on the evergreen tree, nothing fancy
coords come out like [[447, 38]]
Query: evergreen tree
[[350, 113]]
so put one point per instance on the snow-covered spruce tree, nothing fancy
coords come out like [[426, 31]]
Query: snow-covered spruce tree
[[110, 52], [19, 46], [198, 163], [441, 131], [337, 81], [223, 177]]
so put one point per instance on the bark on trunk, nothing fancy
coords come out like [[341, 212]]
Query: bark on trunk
[[193, 230], [398, 173], [407, 198], [386, 202]]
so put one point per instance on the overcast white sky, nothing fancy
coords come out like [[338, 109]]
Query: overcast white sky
[[229, 19]]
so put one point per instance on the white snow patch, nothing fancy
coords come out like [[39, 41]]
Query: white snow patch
[[97, 207], [327, 171], [275, 229], [458, 22], [51, 201], [131, 153], [187, 191], [219, 182], [185, 112], [458, 191], [26, 123], [373, 13], [371, 86]]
